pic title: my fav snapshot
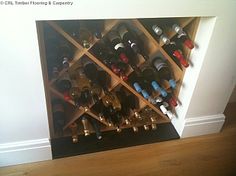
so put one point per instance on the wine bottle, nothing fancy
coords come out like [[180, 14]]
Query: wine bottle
[[125, 109], [85, 36], [75, 93], [168, 111], [182, 36], [72, 27], [64, 85], [170, 46], [110, 99], [65, 53], [164, 71], [132, 102], [103, 80], [146, 127], [108, 111], [99, 109], [139, 85], [118, 46], [131, 40], [151, 78], [108, 58], [96, 126], [171, 100], [85, 124], [96, 27], [51, 39], [74, 132], [91, 72], [173, 50], [58, 111], [84, 85], [116, 119]]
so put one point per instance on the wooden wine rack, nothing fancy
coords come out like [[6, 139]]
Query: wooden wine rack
[[152, 47]]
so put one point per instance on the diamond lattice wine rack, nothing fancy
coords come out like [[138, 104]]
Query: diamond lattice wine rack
[[113, 83]]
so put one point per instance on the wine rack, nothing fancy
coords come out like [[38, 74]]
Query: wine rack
[[151, 46]]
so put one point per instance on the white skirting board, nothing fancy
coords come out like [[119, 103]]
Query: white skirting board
[[40, 149], [25, 152], [203, 125]]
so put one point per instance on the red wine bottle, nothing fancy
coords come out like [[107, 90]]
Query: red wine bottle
[[118, 46], [182, 36], [130, 39], [108, 58], [64, 85], [170, 46], [171, 100], [164, 71], [58, 111], [173, 50]]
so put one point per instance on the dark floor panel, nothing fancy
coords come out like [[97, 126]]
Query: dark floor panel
[[64, 147]]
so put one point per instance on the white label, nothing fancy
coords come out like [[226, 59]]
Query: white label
[[182, 34], [163, 109], [132, 45], [159, 64], [119, 45]]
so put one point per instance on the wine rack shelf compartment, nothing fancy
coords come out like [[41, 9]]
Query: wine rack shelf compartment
[[117, 62]]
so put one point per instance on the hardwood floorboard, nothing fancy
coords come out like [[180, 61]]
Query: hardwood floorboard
[[205, 155]]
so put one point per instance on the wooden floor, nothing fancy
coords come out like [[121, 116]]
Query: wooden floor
[[207, 155]]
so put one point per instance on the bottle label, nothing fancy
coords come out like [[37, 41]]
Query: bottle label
[[181, 34], [159, 64], [163, 109], [132, 45], [119, 45]]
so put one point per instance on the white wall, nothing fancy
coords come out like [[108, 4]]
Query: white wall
[[23, 114]]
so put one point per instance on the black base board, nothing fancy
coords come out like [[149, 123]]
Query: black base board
[[63, 147]]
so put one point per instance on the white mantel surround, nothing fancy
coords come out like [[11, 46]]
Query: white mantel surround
[[24, 133]]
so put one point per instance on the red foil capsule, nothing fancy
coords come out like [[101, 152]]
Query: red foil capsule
[[115, 69], [189, 43], [66, 96], [173, 102], [181, 58], [124, 58]]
